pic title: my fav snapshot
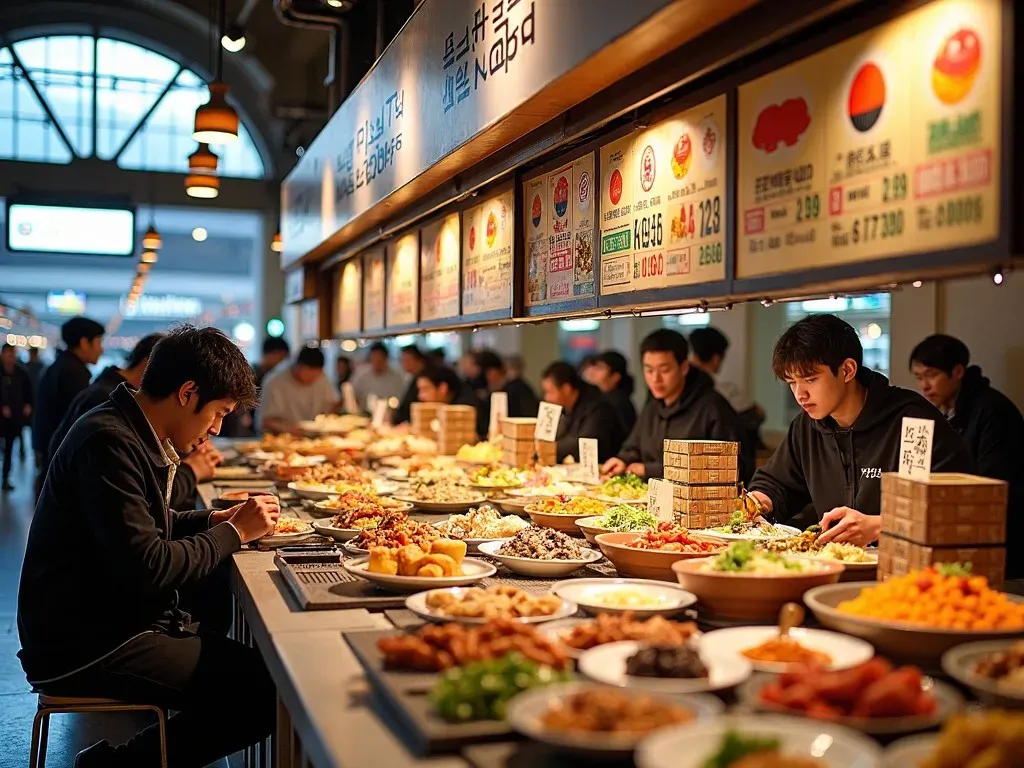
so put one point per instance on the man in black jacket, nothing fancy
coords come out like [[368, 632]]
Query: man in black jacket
[[989, 423], [522, 400], [585, 413], [443, 385], [610, 374], [98, 611], [683, 406], [847, 436], [413, 362], [15, 406]]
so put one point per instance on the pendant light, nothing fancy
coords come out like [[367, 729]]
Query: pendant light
[[148, 257], [152, 241], [277, 244], [216, 122], [202, 178]]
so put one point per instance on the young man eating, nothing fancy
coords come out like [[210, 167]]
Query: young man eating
[[846, 437], [98, 604]]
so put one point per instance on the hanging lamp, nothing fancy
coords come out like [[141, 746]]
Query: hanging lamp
[[202, 181], [277, 244], [152, 241], [148, 257], [216, 121]]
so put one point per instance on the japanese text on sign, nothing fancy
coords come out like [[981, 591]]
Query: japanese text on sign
[[499, 411], [373, 148], [659, 499], [916, 448], [589, 472], [548, 415]]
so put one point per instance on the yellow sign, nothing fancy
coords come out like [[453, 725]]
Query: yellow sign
[[487, 256], [884, 145], [373, 290], [348, 298], [439, 269], [403, 258], [663, 203]]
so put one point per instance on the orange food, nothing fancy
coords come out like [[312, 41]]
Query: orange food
[[786, 650], [939, 598], [670, 538]]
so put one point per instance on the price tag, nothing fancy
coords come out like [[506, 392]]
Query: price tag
[[547, 422], [589, 471], [916, 448], [380, 412], [348, 398], [371, 401], [499, 411], [659, 499]]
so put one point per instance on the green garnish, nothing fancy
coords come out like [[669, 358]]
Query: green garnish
[[626, 485], [734, 747], [949, 570], [736, 557], [625, 517]]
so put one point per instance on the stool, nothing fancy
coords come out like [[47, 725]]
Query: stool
[[49, 705]]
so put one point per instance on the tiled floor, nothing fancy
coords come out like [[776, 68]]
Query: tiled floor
[[68, 733]]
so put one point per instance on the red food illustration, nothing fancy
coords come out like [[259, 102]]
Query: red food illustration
[[681, 156], [781, 124], [615, 187], [472, 238], [956, 66], [867, 97], [492, 229]]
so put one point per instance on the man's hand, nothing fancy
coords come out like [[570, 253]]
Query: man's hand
[[211, 453], [848, 526], [763, 500], [201, 464], [614, 466], [223, 515], [255, 518], [637, 469]]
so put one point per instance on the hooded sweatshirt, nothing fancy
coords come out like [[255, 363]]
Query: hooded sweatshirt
[[827, 466], [621, 401], [591, 416], [700, 413]]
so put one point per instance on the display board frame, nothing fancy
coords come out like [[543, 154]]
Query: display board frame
[[501, 187]]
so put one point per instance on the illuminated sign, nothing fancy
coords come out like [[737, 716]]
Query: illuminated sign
[[66, 303], [67, 229]]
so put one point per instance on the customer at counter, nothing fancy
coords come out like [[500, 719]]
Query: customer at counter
[[242, 423], [708, 347], [413, 362], [585, 413], [684, 405], [470, 372], [522, 400], [846, 437], [610, 374], [98, 611], [443, 385], [342, 370], [377, 379], [300, 392]]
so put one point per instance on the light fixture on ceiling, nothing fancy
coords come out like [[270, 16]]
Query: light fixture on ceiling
[[202, 185], [277, 244], [233, 39], [148, 257], [152, 241], [216, 122], [144, 267], [199, 234]]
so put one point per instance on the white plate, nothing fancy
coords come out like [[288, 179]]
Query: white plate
[[312, 491], [586, 594], [473, 570], [910, 751], [871, 565], [385, 487], [690, 746], [787, 531], [845, 651], [262, 457], [528, 566], [280, 537], [607, 664], [443, 506], [959, 663], [526, 710], [234, 473], [418, 604], [401, 506], [324, 528]]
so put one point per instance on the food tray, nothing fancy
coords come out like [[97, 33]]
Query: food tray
[[328, 586], [701, 461], [718, 447], [702, 476], [405, 696], [948, 487]]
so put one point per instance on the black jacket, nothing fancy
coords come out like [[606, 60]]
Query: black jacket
[[183, 493], [57, 388], [592, 416], [105, 554], [15, 394], [829, 467], [522, 403], [403, 412], [621, 401], [701, 413]]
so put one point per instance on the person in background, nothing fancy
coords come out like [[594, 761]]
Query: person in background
[[377, 379], [585, 413], [443, 385], [300, 392], [847, 436], [104, 620], [34, 368], [472, 375], [342, 370], [683, 406], [413, 362], [436, 357], [708, 347], [522, 400], [987, 421], [586, 369], [15, 406], [242, 422], [610, 374]]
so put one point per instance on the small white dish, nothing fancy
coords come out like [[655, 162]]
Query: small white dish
[[234, 473], [910, 751], [390, 505], [312, 491], [607, 664], [653, 597], [845, 651], [473, 571], [324, 528], [442, 506], [385, 487], [418, 604], [544, 569]]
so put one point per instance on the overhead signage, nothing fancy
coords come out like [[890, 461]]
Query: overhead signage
[[439, 269], [348, 298], [663, 203], [487, 256], [373, 290], [70, 229], [165, 306], [65, 302], [402, 283], [881, 146]]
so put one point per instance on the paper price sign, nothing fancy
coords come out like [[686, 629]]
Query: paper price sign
[[589, 472], [916, 448], [547, 422], [348, 398], [380, 412], [659, 500], [499, 411]]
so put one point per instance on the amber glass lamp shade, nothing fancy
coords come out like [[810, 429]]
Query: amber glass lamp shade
[[216, 122]]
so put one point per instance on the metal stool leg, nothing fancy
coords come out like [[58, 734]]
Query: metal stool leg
[[45, 739], [37, 740]]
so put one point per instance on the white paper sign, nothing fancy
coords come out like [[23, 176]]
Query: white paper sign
[[371, 401], [348, 398], [499, 410], [380, 412], [547, 422], [589, 472], [916, 448], [659, 499]]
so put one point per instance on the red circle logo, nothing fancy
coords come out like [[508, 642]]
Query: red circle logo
[[536, 211], [492, 229], [472, 238], [615, 187]]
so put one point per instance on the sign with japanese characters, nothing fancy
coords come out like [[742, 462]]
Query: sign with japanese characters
[[884, 145], [663, 203], [403, 282], [916, 437], [373, 290], [348, 298], [487, 256], [439, 269], [548, 416]]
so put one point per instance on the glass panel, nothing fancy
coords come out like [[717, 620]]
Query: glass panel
[[26, 132]]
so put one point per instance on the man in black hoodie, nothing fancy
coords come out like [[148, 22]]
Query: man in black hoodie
[[847, 436], [610, 374], [989, 423], [683, 406], [585, 413], [522, 400], [413, 362], [443, 385]]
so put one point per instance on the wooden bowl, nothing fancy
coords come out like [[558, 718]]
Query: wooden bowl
[[746, 596], [640, 563], [564, 523], [591, 532]]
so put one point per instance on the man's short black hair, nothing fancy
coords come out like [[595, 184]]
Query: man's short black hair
[[312, 357], [205, 356], [942, 352], [416, 352], [489, 360], [437, 356], [378, 346], [442, 374], [816, 340], [586, 361], [666, 340], [78, 328], [615, 361], [708, 342], [142, 350], [275, 344], [562, 373]]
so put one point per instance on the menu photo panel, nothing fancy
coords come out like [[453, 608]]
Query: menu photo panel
[[403, 281], [439, 269], [487, 256], [348, 298], [373, 289]]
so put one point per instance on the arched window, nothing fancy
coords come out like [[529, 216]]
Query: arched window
[[63, 96]]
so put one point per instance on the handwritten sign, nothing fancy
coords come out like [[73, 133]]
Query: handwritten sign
[[348, 398], [380, 412], [659, 499], [916, 448], [547, 422], [589, 472], [499, 411]]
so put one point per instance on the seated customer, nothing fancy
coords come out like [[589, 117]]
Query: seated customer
[[443, 385], [413, 362], [300, 392], [610, 374], [847, 436], [98, 611], [522, 400], [684, 405], [585, 413], [708, 347]]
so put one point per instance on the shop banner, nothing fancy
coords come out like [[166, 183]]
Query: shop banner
[[403, 281], [373, 290], [439, 269], [487, 256], [348, 299]]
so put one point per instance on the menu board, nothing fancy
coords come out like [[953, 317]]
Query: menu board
[[439, 269], [884, 145], [373, 290], [559, 211], [403, 260], [487, 256], [348, 298], [663, 203]]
